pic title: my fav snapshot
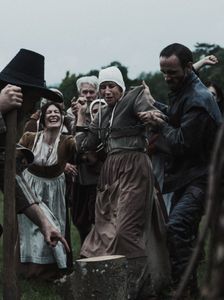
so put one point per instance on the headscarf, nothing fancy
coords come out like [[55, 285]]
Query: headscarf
[[112, 74], [101, 103]]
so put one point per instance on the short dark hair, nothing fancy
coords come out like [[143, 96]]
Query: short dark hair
[[44, 109], [182, 52]]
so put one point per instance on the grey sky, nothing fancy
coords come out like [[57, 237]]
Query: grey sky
[[81, 35]]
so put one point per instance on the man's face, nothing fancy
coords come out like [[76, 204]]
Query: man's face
[[88, 91], [173, 72]]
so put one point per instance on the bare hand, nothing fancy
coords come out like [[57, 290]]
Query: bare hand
[[152, 117], [71, 169], [80, 106], [10, 97], [52, 236], [207, 60], [210, 60]]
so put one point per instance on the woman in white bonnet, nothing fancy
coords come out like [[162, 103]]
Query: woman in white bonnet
[[125, 188], [45, 176]]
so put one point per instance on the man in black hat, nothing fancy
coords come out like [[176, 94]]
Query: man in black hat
[[22, 83]]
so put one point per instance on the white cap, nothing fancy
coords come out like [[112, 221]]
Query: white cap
[[58, 92], [101, 102], [112, 74], [93, 80], [45, 101]]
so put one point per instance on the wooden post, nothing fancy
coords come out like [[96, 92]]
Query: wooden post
[[10, 291], [97, 278]]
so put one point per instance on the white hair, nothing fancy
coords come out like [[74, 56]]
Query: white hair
[[93, 80]]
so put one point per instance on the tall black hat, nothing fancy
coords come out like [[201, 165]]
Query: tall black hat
[[26, 69]]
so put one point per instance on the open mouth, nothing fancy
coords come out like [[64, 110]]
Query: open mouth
[[53, 120]]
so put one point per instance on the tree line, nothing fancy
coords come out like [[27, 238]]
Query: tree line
[[154, 80]]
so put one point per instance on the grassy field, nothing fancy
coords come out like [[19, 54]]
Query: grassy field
[[31, 290]]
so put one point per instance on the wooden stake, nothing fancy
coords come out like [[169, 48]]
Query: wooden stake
[[10, 291]]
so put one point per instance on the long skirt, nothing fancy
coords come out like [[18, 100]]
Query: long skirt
[[123, 204], [129, 222]]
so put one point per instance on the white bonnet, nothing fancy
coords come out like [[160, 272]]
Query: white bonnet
[[93, 80], [44, 100], [101, 103], [112, 74], [58, 92]]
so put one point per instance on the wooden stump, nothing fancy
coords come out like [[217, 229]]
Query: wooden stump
[[99, 278]]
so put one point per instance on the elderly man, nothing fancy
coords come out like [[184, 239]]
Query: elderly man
[[193, 120], [22, 84], [87, 87], [83, 204]]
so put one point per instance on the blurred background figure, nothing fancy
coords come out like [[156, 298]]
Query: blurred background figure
[[96, 106], [89, 164], [217, 93], [212, 85]]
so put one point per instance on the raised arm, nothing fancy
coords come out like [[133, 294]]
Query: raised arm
[[207, 60]]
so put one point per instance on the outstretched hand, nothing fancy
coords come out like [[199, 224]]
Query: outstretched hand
[[52, 236], [50, 232]]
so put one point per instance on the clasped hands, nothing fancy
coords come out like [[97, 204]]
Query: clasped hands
[[152, 117]]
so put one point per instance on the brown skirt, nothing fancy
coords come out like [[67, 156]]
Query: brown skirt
[[124, 203]]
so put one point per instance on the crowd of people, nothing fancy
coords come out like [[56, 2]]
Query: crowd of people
[[130, 170]]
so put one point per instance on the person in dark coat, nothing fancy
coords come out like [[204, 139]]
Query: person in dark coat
[[189, 133], [22, 84]]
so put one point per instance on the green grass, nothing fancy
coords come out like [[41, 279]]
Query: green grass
[[33, 290]]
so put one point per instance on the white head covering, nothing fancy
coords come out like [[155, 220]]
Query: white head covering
[[44, 100], [112, 74], [58, 92], [101, 103], [93, 80]]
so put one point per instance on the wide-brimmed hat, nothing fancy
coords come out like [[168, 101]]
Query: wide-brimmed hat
[[28, 154], [26, 69]]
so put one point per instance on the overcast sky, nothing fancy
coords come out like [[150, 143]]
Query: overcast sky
[[81, 35]]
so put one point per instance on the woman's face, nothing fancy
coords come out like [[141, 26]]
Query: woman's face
[[111, 92], [53, 117]]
